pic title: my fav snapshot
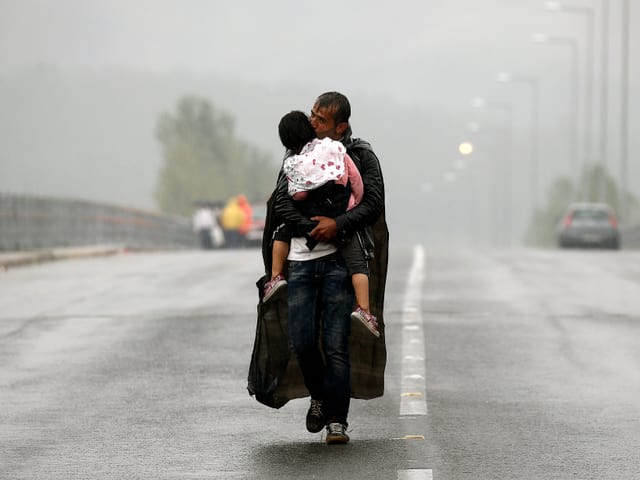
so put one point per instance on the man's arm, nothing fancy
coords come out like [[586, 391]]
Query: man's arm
[[285, 207], [372, 205]]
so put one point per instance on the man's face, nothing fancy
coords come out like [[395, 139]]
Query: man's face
[[323, 122]]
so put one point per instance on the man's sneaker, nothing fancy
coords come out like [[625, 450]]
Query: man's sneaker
[[272, 286], [337, 433], [367, 319], [315, 418]]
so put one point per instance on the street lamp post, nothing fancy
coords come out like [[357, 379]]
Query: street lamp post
[[624, 113], [604, 94], [507, 111], [504, 77], [483, 210], [554, 6], [573, 45]]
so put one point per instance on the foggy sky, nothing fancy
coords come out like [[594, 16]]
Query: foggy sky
[[428, 57], [405, 49]]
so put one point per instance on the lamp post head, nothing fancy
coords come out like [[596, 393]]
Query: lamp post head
[[465, 148], [473, 127], [552, 6], [459, 164], [539, 38], [449, 176], [478, 102], [504, 77]]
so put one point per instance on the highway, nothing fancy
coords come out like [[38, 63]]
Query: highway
[[502, 364]]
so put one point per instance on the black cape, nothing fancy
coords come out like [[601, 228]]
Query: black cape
[[274, 375]]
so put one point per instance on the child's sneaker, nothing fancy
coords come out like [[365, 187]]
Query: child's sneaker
[[272, 286], [368, 320]]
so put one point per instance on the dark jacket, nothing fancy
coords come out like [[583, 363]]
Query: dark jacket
[[274, 375], [328, 200]]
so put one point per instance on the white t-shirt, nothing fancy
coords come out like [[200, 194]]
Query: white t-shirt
[[299, 252], [203, 219]]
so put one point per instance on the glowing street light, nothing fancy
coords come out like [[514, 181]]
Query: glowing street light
[[465, 148]]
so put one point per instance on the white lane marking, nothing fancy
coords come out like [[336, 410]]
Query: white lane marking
[[415, 474], [413, 391]]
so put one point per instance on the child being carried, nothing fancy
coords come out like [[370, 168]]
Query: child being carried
[[312, 164]]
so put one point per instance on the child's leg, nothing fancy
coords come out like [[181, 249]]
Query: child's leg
[[359, 271], [361, 289], [279, 255], [357, 264]]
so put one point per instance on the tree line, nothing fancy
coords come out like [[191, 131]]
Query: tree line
[[204, 159]]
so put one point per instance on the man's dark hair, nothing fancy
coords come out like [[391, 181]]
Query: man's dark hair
[[295, 130], [338, 104]]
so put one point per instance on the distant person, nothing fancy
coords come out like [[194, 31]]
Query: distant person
[[232, 219], [243, 203], [217, 235], [203, 222], [311, 164]]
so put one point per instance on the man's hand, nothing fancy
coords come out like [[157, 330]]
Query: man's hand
[[325, 230]]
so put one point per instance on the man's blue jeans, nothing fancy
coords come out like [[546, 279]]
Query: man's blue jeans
[[320, 304]]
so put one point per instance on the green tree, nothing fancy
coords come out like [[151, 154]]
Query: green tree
[[541, 231], [203, 159]]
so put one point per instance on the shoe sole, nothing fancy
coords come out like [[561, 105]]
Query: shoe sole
[[312, 429], [275, 288], [355, 316], [337, 439]]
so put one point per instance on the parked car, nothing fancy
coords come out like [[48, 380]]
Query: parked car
[[589, 225], [253, 237]]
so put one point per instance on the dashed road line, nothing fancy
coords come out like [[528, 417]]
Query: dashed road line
[[413, 399], [413, 394], [415, 474]]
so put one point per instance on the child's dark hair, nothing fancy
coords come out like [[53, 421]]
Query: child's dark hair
[[295, 131]]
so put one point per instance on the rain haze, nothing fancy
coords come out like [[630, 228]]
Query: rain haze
[[82, 85], [152, 327]]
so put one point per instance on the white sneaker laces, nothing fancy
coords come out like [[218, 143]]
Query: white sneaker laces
[[336, 429]]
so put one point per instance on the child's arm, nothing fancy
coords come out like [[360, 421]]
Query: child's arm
[[300, 195], [286, 208], [357, 186]]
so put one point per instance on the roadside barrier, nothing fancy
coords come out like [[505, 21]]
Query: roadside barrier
[[32, 222]]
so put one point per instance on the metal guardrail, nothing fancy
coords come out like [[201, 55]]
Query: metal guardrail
[[30, 222]]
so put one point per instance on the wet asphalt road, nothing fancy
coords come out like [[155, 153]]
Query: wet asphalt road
[[134, 366]]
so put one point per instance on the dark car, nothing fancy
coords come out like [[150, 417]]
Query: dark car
[[589, 225]]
